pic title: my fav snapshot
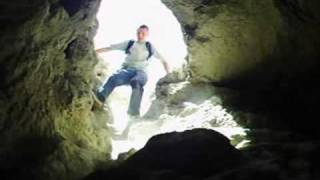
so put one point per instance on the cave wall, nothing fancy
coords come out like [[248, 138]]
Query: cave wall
[[266, 52], [231, 40], [47, 126]]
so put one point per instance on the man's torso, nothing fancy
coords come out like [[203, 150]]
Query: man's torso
[[138, 56]]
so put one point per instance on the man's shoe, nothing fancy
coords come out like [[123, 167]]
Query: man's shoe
[[134, 116], [132, 119], [97, 101], [123, 136]]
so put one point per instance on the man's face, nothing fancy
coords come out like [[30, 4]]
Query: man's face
[[142, 34]]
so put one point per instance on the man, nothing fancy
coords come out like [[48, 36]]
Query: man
[[133, 71]]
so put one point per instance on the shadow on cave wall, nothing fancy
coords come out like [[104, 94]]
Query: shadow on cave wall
[[285, 103], [282, 91]]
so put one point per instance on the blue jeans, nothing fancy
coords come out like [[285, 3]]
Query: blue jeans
[[126, 76]]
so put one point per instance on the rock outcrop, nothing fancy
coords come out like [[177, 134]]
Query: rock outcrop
[[193, 154], [229, 40], [267, 51], [47, 126]]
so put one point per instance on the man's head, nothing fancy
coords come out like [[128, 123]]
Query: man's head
[[143, 33]]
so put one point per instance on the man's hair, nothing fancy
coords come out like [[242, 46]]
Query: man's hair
[[144, 27]]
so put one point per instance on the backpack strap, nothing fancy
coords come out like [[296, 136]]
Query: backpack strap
[[130, 43], [148, 45], [150, 49]]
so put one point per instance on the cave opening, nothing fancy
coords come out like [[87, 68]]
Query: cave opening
[[118, 20], [262, 54]]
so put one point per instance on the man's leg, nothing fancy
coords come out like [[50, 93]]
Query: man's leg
[[121, 77], [137, 83]]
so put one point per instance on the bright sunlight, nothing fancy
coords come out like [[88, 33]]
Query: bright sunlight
[[118, 21]]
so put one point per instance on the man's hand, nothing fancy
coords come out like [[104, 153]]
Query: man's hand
[[101, 50], [166, 66]]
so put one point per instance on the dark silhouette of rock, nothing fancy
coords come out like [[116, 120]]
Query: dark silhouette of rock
[[195, 153]]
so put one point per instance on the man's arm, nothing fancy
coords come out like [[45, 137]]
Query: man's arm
[[162, 59], [118, 46], [165, 65], [105, 49]]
